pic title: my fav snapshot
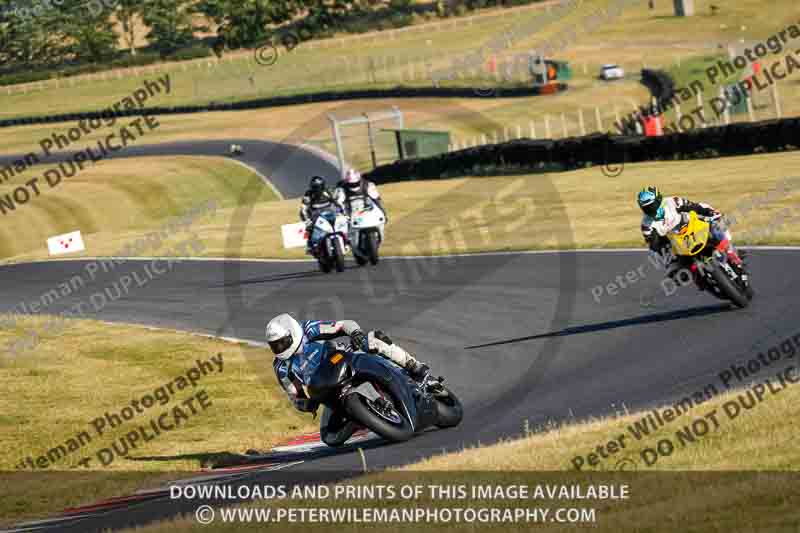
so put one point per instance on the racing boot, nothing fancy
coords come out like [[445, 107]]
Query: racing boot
[[416, 369], [379, 342], [734, 257]]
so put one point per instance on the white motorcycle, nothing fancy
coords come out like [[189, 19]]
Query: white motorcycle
[[329, 240], [367, 222]]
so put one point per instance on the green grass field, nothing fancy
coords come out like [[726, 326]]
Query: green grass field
[[635, 36], [588, 106]]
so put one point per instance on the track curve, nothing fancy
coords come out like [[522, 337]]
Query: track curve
[[286, 166], [626, 349]]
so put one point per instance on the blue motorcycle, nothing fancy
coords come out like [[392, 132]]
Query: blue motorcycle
[[329, 239], [360, 389]]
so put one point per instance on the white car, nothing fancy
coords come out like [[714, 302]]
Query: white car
[[611, 72]]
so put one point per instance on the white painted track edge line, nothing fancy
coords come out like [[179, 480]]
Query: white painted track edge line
[[467, 254]]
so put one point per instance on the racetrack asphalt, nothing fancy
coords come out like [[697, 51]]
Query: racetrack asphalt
[[551, 351], [287, 167], [558, 353]]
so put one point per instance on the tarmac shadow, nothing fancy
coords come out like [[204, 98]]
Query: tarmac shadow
[[614, 324]]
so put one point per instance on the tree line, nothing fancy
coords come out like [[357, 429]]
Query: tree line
[[49, 33], [36, 32]]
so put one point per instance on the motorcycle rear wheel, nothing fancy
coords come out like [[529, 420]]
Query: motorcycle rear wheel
[[359, 409], [728, 286]]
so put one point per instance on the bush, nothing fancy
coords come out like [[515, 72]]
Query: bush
[[23, 77], [305, 34], [194, 52], [140, 59], [400, 5]]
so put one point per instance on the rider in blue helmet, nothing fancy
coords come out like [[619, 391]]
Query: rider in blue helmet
[[664, 214]]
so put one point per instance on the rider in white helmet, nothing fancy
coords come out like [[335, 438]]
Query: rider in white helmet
[[353, 186], [293, 343]]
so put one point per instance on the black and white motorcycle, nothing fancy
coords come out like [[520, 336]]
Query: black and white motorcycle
[[367, 222]]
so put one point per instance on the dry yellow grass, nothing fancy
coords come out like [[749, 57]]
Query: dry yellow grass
[[45, 398], [540, 211], [464, 117], [116, 201], [663, 497], [74, 376], [756, 439]]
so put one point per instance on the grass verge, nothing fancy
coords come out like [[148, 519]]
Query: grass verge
[[116, 201], [707, 482], [512, 213], [53, 394]]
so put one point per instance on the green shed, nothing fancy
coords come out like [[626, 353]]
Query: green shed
[[421, 143]]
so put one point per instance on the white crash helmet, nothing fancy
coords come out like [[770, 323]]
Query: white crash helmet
[[284, 336], [352, 177]]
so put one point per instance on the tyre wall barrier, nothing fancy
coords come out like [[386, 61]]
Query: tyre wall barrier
[[278, 101], [597, 149]]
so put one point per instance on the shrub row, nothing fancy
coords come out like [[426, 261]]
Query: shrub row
[[598, 149], [277, 101], [660, 84]]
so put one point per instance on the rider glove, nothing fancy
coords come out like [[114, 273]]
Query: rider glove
[[359, 340]]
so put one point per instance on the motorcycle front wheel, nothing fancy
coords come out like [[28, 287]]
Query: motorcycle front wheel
[[338, 258], [372, 245], [449, 411], [388, 422], [335, 428], [324, 265]]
